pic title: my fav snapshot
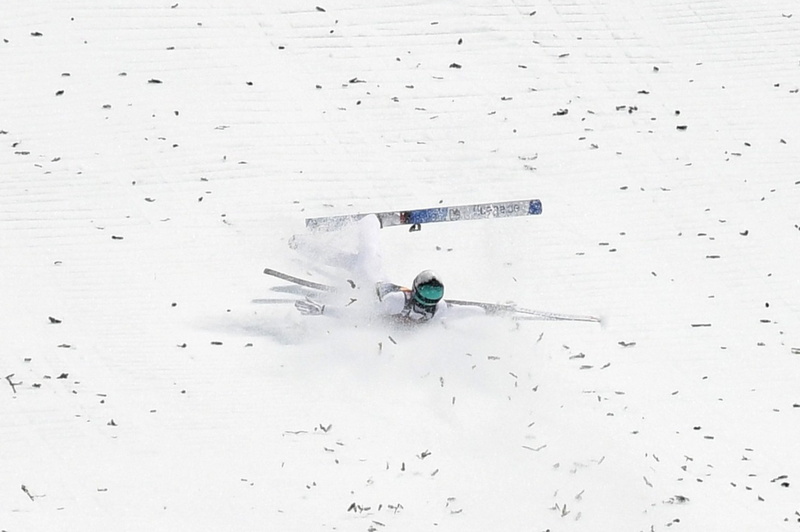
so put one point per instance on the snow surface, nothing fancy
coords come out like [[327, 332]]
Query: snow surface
[[156, 156]]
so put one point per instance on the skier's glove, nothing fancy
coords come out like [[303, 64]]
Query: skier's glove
[[309, 307]]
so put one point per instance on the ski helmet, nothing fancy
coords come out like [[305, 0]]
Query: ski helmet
[[427, 289]]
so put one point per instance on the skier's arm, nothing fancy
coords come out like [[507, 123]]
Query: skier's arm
[[310, 307], [389, 305]]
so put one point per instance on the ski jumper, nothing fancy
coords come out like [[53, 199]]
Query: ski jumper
[[398, 302]]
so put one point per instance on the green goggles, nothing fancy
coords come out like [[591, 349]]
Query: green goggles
[[428, 295]]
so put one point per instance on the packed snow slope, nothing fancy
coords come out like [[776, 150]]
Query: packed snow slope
[[156, 156]]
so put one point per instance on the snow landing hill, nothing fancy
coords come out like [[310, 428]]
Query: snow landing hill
[[156, 156]]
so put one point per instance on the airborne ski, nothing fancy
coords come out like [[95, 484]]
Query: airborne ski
[[478, 211]]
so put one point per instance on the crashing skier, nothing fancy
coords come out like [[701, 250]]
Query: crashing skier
[[357, 258], [421, 303]]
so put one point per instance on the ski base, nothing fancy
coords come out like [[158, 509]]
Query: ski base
[[478, 211]]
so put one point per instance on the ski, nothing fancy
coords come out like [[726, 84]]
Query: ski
[[490, 308], [478, 211], [495, 308], [299, 281]]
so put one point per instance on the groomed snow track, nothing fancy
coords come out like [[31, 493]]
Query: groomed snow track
[[156, 156]]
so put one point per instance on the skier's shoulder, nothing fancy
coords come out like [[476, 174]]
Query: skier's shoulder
[[383, 289], [393, 298]]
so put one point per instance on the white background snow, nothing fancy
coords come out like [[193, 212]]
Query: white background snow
[[156, 156]]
